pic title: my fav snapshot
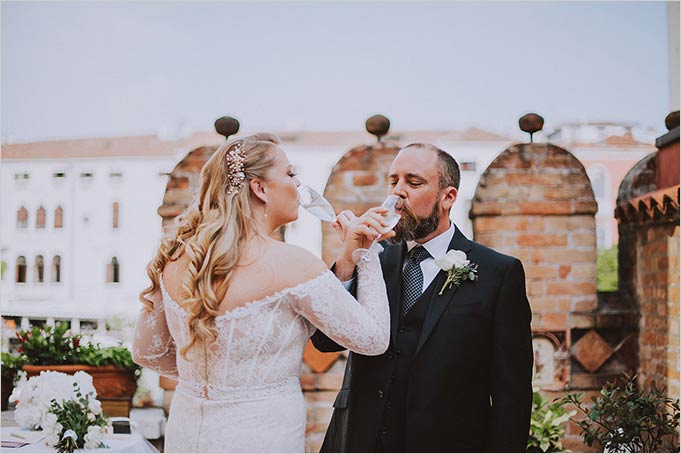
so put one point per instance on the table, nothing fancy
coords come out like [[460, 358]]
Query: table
[[133, 442]]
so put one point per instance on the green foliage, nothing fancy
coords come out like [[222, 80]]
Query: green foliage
[[75, 415], [48, 345], [606, 277], [3, 267], [11, 364], [627, 418], [547, 424], [55, 346]]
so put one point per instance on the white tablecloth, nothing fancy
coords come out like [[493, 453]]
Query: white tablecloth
[[133, 442]]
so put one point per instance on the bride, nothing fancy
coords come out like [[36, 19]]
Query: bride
[[229, 309]]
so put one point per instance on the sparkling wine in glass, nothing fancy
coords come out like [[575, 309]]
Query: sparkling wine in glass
[[315, 204], [392, 217]]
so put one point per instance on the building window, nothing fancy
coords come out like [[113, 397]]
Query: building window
[[115, 215], [116, 176], [599, 180], [22, 218], [21, 176], [40, 218], [58, 175], [58, 218], [21, 269], [56, 269], [39, 275], [113, 271]]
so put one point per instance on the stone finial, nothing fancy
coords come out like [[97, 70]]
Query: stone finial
[[672, 120], [227, 126], [378, 125], [531, 123]]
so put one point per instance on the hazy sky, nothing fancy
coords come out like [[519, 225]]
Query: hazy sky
[[117, 68]]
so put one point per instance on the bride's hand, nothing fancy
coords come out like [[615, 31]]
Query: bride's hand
[[359, 232]]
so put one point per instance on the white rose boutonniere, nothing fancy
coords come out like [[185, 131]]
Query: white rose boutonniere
[[458, 268]]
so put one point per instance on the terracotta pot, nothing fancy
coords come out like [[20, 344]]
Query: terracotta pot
[[115, 387]]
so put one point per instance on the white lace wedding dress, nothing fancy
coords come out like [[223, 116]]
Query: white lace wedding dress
[[242, 393]]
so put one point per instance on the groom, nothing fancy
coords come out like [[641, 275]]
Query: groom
[[457, 374]]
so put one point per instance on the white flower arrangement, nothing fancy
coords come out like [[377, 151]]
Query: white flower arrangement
[[458, 268], [65, 407]]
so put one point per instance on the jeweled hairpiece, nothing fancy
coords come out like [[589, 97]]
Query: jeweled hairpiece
[[235, 169]]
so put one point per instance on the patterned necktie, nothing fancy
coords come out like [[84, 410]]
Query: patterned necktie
[[412, 278]]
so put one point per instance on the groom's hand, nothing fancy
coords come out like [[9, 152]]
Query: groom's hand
[[358, 232]]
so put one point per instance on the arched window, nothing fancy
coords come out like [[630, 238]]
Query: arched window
[[599, 180], [56, 269], [58, 218], [22, 218], [115, 215], [39, 275], [113, 271], [21, 269], [40, 218]]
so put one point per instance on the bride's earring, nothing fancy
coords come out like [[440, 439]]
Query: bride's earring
[[265, 208]]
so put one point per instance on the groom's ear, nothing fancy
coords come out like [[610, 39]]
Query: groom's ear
[[258, 189], [449, 196]]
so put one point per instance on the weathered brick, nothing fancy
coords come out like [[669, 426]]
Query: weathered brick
[[542, 240], [540, 271], [554, 321], [571, 288], [364, 179], [583, 239]]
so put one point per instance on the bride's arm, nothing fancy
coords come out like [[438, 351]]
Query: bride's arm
[[363, 328], [152, 345]]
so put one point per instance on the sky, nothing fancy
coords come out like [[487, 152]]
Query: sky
[[99, 69]]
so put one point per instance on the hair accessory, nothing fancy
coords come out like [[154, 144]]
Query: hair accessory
[[235, 169]]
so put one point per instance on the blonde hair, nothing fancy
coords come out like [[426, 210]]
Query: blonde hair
[[212, 232]]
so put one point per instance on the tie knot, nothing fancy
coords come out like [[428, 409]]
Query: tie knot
[[418, 254]]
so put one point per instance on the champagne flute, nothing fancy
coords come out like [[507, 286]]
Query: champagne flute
[[315, 204], [392, 217]]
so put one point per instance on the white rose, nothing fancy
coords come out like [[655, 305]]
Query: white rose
[[95, 406], [453, 259], [49, 421], [93, 437], [91, 417]]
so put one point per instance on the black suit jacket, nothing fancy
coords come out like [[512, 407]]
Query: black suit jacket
[[469, 387]]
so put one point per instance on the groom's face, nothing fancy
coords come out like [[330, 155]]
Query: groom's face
[[414, 178]]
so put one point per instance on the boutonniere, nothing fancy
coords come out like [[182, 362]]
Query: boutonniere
[[458, 268]]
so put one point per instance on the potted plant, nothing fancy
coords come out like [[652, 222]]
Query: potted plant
[[547, 424], [625, 418], [11, 365], [113, 371]]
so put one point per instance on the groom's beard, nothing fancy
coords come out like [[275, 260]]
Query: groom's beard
[[412, 227]]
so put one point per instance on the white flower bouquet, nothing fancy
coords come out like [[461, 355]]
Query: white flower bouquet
[[65, 407]]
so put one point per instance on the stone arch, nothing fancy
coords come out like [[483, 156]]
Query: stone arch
[[535, 202], [357, 182]]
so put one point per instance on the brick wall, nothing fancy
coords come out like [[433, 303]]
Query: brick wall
[[535, 202]]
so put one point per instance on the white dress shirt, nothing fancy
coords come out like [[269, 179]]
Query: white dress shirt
[[436, 247]]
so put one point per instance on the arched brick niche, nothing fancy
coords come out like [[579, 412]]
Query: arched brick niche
[[535, 202], [357, 182]]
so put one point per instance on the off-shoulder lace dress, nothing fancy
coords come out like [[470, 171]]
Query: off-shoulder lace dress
[[242, 392]]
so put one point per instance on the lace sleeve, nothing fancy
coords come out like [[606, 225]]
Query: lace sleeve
[[363, 328], [153, 346]]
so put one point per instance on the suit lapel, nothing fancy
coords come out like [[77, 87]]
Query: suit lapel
[[392, 274], [438, 303]]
